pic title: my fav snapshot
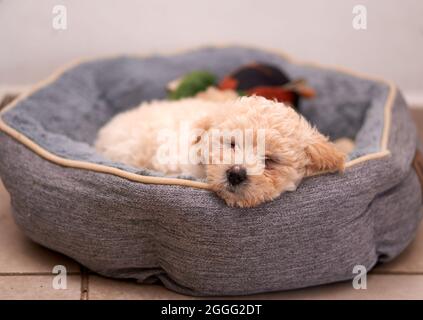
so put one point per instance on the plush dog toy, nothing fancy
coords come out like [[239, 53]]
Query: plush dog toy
[[267, 81]]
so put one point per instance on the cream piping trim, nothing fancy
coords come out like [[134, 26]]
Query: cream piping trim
[[175, 181]]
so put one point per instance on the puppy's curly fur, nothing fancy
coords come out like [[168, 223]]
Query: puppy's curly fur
[[293, 148]]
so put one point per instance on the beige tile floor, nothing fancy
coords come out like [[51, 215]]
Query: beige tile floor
[[26, 272]]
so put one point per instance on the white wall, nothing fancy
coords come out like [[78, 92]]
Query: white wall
[[317, 30]]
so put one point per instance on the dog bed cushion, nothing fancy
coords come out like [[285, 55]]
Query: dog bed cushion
[[124, 222]]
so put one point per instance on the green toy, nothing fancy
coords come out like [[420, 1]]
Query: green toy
[[191, 84]]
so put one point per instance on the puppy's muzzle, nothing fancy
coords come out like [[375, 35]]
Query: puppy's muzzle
[[236, 175]]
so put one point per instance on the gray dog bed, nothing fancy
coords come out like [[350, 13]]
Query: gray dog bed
[[124, 222]]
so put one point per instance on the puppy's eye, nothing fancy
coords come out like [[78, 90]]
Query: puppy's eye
[[269, 162], [232, 144]]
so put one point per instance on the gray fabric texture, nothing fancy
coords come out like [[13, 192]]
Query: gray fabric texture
[[188, 238]]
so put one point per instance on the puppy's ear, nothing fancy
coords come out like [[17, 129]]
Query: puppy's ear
[[323, 156]]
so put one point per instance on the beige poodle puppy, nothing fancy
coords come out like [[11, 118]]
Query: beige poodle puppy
[[249, 149]]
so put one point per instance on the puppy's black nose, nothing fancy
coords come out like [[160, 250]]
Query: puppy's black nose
[[236, 175]]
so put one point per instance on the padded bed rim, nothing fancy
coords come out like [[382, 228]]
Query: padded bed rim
[[37, 149]]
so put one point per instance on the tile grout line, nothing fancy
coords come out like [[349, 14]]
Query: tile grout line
[[23, 274], [85, 273], [84, 283], [399, 273]]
